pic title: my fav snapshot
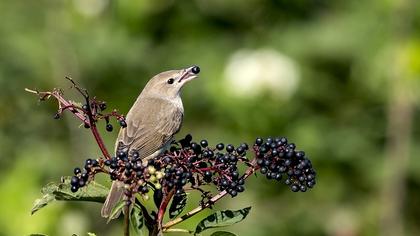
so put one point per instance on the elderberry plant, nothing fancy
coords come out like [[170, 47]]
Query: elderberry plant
[[187, 166]]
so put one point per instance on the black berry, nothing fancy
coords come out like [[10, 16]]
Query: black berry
[[109, 127]]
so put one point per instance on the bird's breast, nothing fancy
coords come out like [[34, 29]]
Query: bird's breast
[[178, 103]]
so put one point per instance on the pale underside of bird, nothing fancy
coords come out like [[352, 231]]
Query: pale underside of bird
[[152, 121]]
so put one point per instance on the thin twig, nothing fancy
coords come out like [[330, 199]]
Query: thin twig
[[63, 103], [178, 231]]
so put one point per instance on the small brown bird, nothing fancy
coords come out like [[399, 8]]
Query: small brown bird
[[151, 122]]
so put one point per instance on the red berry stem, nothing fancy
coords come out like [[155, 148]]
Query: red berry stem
[[162, 209]]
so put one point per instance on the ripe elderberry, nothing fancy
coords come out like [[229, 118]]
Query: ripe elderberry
[[109, 127], [277, 158]]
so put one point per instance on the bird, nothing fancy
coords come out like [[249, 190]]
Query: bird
[[152, 121]]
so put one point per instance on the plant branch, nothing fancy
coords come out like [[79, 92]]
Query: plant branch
[[64, 104], [127, 220], [162, 208], [213, 200]]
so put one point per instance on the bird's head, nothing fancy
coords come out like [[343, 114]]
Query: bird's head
[[169, 83]]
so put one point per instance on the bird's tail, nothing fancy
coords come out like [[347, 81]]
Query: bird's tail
[[114, 197]]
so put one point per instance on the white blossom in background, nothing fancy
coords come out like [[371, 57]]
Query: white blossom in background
[[90, 7], [251, 72]]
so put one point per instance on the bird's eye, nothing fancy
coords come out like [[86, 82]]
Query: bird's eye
[[171, 81]]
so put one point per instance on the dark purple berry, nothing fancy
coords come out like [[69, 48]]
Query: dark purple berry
[[259, 141], [188, 138], [88, 162], [84, 176], [224, 182], [263, 149], [74, 188], [196, 148], [128, 165], [144, 189], [123, 123], [95, 162], [74, 181], [264, 170], [240, 150], [283, 140], [245, 146], [220, 146], [109, 127], [230, 148], [195, 70], [77, 171], [235, 175], [294, 188], [114, 165], [240, 188], [204, 143], [102, 106], [300, 154], [121, 154]]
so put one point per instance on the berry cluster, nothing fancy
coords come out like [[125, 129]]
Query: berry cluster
[[199, 164], [81, 177], [277, 158], [191, 165]]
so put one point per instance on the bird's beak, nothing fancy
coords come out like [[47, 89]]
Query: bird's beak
[[189, 74]]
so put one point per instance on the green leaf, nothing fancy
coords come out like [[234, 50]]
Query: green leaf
[[221, 219], [93, 192], [91, 234], [116, 210], [178, 204], [222, 233], [38, 235], [137, 219]]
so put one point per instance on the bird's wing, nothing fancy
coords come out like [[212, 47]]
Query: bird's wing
[[151, 123]]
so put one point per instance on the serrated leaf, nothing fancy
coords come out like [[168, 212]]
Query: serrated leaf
[[221, 219], [116, 210], [93, 192], [222, 233], [178, 204], [137, 219]]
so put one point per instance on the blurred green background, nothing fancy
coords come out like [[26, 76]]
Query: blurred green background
[[338, 78]]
